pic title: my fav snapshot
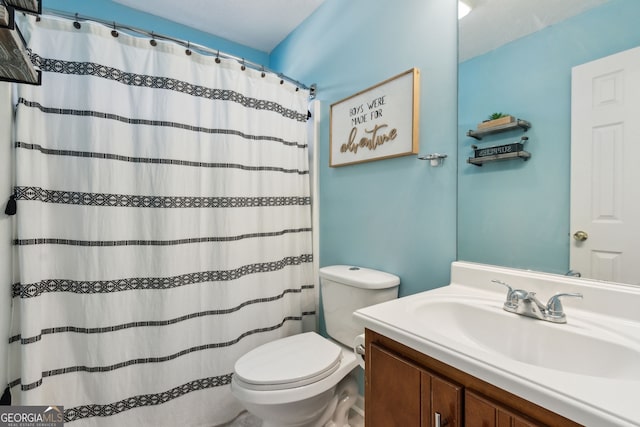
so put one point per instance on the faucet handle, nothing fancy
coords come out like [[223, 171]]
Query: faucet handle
[[511, 302], [554, 307], [500, 282]]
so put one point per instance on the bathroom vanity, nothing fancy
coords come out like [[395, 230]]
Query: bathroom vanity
[[454, 356], [408, 388]]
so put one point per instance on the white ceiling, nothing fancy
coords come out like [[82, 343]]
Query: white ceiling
[[260, 24], [263, 24]]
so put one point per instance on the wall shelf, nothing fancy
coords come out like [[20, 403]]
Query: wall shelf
[[517, 124], [479, 161], [514, 150]]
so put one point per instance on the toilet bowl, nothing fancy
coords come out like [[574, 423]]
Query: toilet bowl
[[307, 380]]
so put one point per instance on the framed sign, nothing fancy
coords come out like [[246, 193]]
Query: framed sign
[[377, 123]]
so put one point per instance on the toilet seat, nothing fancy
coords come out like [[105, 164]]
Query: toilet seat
[[289, 362]]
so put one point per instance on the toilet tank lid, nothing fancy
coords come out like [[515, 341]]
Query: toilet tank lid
[[359, 277]]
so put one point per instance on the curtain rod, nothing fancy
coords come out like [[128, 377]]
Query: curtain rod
[[188, 45]]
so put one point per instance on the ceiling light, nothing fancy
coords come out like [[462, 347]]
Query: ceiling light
[[463, 9]]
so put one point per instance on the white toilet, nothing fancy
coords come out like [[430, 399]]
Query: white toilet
[[304, 380]]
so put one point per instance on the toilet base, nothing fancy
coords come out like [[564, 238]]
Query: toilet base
[[346, 396], [334, 414]]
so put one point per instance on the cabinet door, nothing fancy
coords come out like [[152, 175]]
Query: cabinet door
[[392, 391], [480, 412], [446, 403]]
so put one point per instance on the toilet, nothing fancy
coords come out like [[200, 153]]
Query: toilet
[[307, 380]]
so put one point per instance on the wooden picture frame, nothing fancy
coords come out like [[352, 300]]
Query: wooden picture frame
[[378, 123]]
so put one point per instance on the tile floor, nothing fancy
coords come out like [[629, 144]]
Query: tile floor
[[245, 419]]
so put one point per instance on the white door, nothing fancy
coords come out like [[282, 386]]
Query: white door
[[605, 168]]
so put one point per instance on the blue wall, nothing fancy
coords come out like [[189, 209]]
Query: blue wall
[[111, 11], [516, 213], [396, 215]]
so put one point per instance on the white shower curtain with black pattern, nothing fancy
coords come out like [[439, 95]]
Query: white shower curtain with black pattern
[[163, 227]]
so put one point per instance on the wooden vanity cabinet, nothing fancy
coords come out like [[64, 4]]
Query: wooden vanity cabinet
[[402, 394], [405, 388], [480, 412]]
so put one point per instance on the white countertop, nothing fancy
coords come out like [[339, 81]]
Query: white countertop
[[592, 400]]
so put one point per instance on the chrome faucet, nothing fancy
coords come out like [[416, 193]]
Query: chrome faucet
[[527, 304]]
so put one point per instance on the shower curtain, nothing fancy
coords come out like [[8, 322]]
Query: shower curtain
[[163, 226]]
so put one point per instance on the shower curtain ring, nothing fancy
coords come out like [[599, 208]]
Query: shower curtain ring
[[263, 74], [76, 24], [153, 41], [244, 67], [218, 57], [114, 32], [188, 51]]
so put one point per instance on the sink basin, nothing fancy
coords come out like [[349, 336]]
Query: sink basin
[[575, 347]]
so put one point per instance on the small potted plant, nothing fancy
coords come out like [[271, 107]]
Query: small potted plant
[[496, 119]]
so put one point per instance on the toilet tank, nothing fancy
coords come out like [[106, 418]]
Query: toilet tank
[[345, 289]]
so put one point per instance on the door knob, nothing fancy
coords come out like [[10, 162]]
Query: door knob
[[580, 236]]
